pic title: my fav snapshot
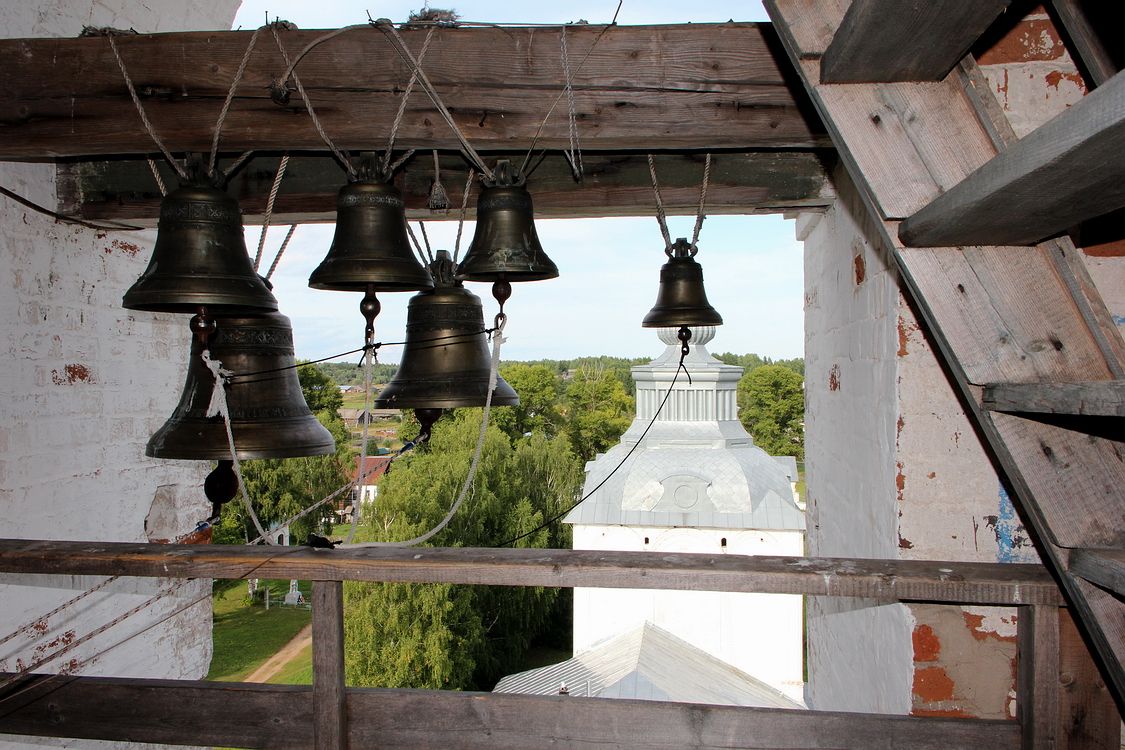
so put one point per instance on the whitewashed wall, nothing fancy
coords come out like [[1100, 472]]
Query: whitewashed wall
[[82, 385]]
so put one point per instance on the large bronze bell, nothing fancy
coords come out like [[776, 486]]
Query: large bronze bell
[[445, 361], [370, 250], [505, 245], [268, 414], [200, 258], [681, 300]]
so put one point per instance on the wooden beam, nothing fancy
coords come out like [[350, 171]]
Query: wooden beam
[[1103, 398], [1104, 567], [914, 580], [904, 40], [278, 716], [1089, 45], [1037, 676], [1088, 718], [1066, 171], [616, 184], [690, 86], [330, 721]]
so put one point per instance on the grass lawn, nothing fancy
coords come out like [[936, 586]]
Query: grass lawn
[[245, 635], [296, 672]]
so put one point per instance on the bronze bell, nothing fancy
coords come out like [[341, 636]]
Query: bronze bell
[[681, 300], [505, 246], [268, 414], [200, 258], [445, 361], [370, 250]]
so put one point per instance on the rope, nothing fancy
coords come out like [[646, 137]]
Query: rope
[[269, 208], [402, 104], [230, 97], [156, 176], [439, 198], [572, 120], [700, 216], [543, 124], [141, 111], [387, 28], [290, 65], [399, 162], [661, 219], [497, 340], [340, 155], [464, 212], [219, 407], [237, 163], [281, 250], [418, 247]]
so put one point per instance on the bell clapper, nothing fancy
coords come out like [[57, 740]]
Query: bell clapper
[[202, 326], [220, 486], [501, 291], [684, 335], [369, 306], [426, 418]]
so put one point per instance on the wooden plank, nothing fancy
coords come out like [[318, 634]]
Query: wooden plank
[[1092, 54], [330, 722], [1104, 567], [641, 84], [913, 580], [1088, 719], [1061, 174], [276, 716], [1105, 398], [615, 185], [1037, 676], [892, 40]]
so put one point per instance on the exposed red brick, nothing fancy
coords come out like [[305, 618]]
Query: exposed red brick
[[72, 374], [904, 331], [949, 713], [834, 378], [1032, 39], [1055, 77], [927, 646], [860, 269], [900, 480], [128, 248], [905, 543], [1115, 249], [932, 684]]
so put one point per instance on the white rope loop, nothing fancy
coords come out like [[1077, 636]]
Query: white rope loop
[[230, 97], [661, 218], [464, 213], [402, 104]]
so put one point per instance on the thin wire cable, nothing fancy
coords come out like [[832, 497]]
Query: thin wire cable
[[156, 175], [281, 166], [361, 472], [230, 97], [281, 250], [141, 111], [464, 212], [700, 216], [341, 156], [543, 124], [402, 104], [497, 340], [404, 51], [607, 477], [110, 227], [661, 219]]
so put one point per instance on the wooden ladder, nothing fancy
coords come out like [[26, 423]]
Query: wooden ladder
[[965, 206]]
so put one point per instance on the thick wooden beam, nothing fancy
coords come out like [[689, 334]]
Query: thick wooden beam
[[330, 720], [1088, 718], [279, 717], [1037, 676], [1104, 567], [615, 184], [1088, 37], [904, 40], [691, 86], [975, 583], [1063, 173], [1104, 398]]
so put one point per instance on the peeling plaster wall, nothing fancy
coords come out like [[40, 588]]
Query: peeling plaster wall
[[83, 384], [858, 651]]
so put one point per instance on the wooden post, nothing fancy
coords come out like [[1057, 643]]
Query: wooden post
[[1037, 677], [1088, 718], [329, 718]]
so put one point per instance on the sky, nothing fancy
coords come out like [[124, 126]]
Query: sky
[[609, 268]]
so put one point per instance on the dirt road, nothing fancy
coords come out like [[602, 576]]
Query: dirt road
[[274, 664]]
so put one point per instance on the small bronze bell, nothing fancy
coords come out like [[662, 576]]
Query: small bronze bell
[[445, 361], [268, 414], [200, 258], [681, 300], [505, 246], [370, 247]]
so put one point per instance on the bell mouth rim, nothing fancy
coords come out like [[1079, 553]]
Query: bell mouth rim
[[651, 321], [513, 276], [362, 286]]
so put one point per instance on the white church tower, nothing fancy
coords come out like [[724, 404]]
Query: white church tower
[[696, 484]]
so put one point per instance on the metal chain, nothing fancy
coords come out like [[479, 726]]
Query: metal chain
[[269, 208], [402, 104], [661, 219], [464, 212], [141, 111], [700, 216], [230, 97]]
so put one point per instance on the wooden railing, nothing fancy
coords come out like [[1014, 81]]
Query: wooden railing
[[330, 715]]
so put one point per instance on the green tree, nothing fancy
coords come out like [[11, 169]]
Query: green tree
[[321, 391], [538, 410], [597, 411], [771, 405], [448, 636]]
